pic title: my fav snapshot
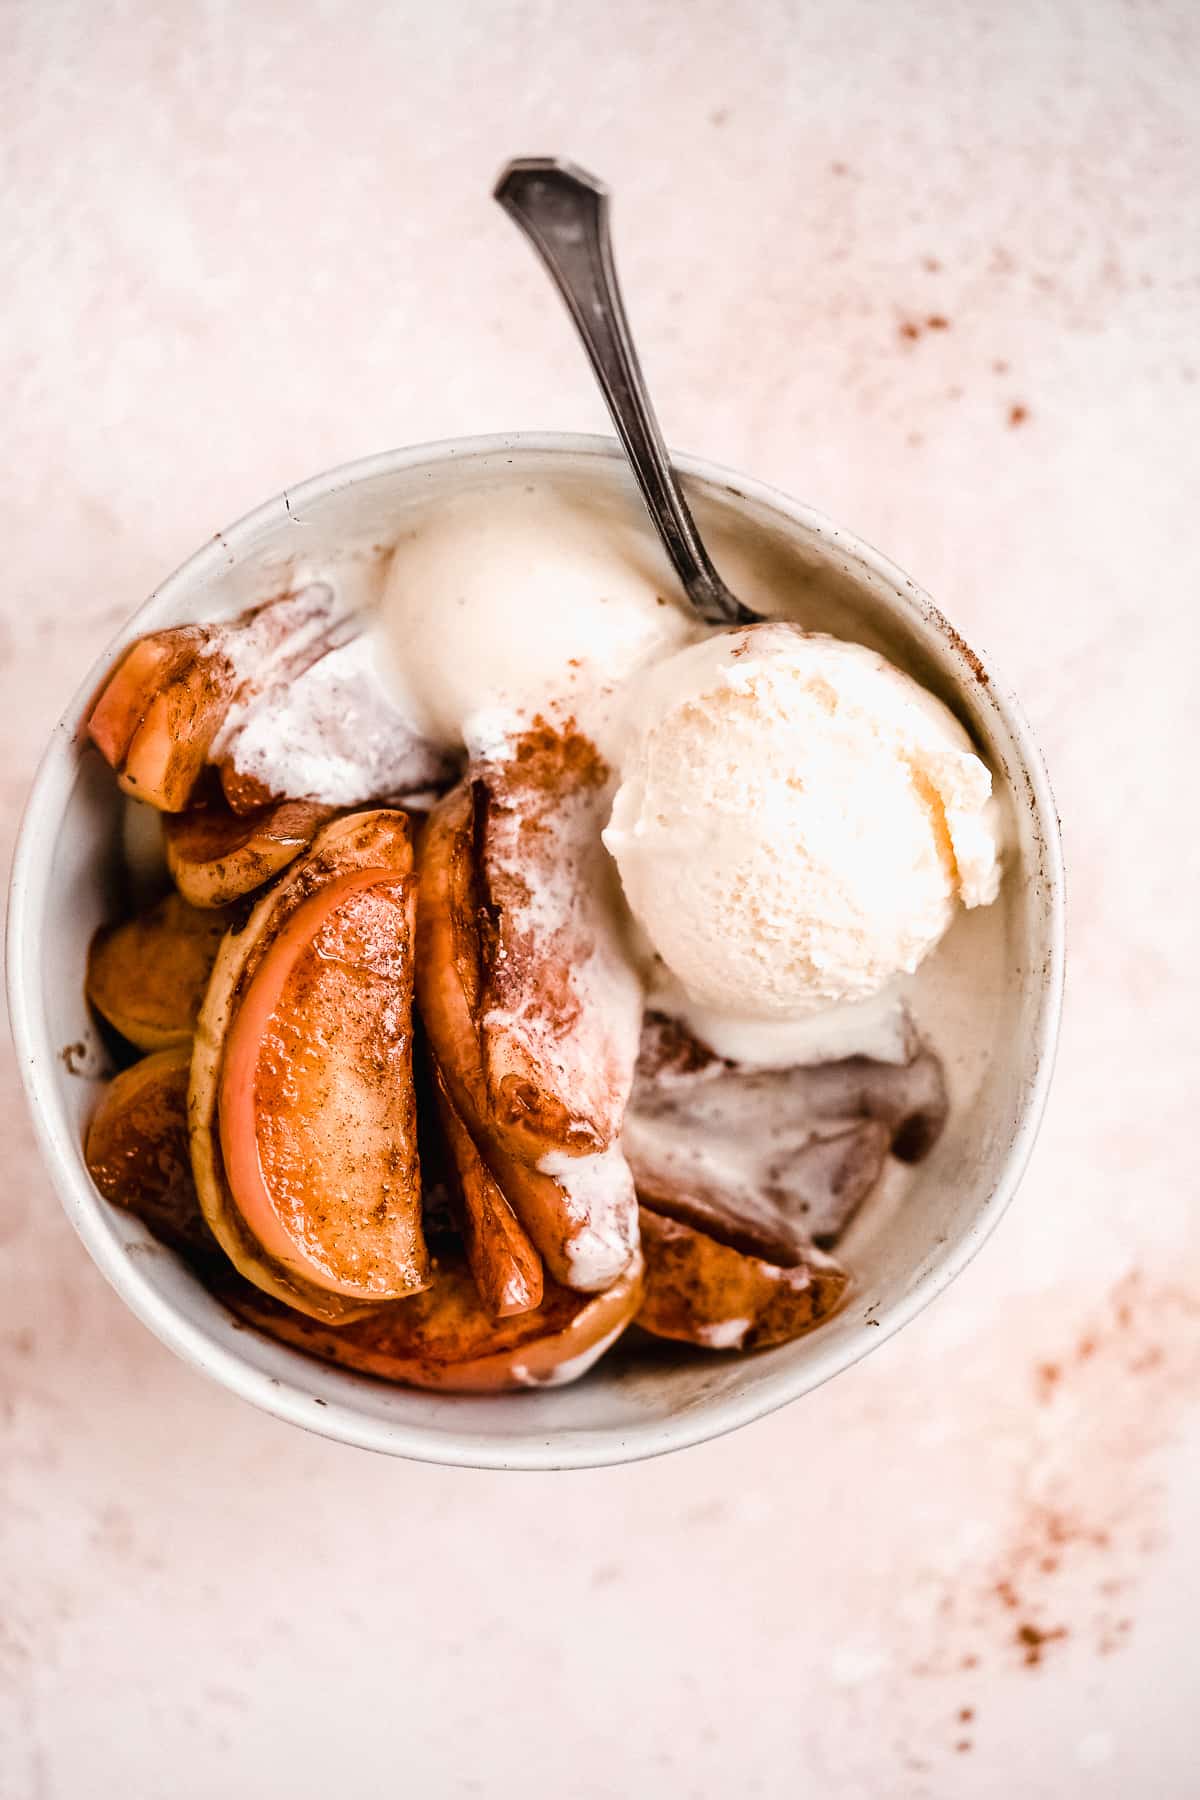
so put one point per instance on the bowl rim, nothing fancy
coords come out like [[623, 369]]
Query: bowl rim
[[341, 1421]]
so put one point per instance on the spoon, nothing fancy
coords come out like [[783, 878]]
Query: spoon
[[563, 212]]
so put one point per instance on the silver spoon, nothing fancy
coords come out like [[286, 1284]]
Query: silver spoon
[[564, 213]]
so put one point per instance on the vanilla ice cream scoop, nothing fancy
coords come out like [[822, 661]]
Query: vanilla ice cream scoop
[[514, 601], [797, 821]]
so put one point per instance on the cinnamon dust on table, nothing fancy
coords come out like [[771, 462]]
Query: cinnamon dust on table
[[1088, 1509], [1117, 1387], [911, 330], [1031, 1638]]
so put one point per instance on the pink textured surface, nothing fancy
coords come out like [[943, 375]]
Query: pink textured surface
[[246, 243]]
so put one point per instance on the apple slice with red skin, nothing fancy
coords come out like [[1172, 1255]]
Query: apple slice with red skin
[[157, 717], [378, 842], [317, 1115], [142, 672], [216, 857], [587, 1237], [170, 748], [701, 1292], [506, 1267], [446, 1339]]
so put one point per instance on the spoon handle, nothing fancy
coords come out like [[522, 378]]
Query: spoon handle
[[564, 213]]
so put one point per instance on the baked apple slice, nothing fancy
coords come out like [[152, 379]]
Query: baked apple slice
[[169, 750], [506, 1267], [751, 1155], [302, 1106], [445, 1338], [732, 1213], [580, 1211], [561, 1009], [449, 978], [715, 1187], [701, 1292], [157, 717], [137, 1151], [147, 976], [317, 1110], [146, 668], [216, 857]]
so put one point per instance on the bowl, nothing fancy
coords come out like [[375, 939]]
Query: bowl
[[645, 1399]]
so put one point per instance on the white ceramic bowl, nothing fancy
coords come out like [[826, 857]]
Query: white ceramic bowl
[[64, 883]]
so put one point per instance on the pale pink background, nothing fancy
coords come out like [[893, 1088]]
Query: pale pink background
[[244, 242]]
